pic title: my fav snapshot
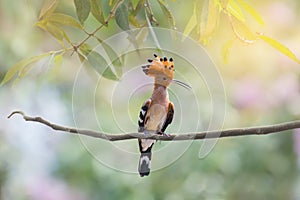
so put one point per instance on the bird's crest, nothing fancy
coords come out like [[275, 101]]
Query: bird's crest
[[162, 69]]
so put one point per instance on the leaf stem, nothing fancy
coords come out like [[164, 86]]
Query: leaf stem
[[111, 15]]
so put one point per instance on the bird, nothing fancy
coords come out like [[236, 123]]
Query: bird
[[157, 112]]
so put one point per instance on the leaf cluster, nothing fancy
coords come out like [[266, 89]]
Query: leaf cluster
[[130, 14], [124, 12], [206, 18]]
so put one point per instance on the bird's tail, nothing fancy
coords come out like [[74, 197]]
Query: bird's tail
[[145, 146], [144, 163]]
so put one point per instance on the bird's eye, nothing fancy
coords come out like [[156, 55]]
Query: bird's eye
[[164, 78]]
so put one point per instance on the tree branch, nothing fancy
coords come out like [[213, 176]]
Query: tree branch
[[111, 15], [260, 130]]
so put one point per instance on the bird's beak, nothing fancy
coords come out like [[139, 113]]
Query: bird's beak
[[186, 86], [146, 69]]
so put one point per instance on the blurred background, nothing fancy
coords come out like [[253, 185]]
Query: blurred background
[[261, 86]]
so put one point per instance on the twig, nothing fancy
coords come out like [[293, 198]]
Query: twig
[[111, 14], [261, 130], [151, 18]]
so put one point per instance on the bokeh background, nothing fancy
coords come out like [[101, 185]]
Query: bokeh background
[[261, 85]]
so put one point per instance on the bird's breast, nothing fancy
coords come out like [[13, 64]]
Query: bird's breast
[[156, 117]]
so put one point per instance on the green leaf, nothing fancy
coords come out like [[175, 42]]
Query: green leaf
[[135, 3], [96, 9], [224, 3], [23, 72], [83, 9], [113, 56], [42, 24], [134, 21], [132, 38], [98, 62], [18, 67], [198, 5], [209, 20], [141, 35], [191, 24], [122, 17], [58, 59], [55, 31], [242, 31], [167, 13], [56, 68], [85, 49], [67, 37], [112, 3], [138, 7], [251, 11], [64, 20], [109, 74], [48, 8], [280, 47], [234, 9], [226, 50], [81, 57]]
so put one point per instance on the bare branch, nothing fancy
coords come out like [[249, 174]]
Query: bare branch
[[261, 130]]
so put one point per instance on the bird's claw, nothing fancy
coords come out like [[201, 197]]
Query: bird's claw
[[163, 134], [166, 134]]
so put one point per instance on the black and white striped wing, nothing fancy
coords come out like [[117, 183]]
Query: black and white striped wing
[[145, 145], [142, 116]]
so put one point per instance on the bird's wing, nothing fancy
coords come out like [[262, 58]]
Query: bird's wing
[[142, 116], [169, 117]]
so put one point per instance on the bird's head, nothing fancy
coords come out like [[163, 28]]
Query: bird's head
[[162, 69]]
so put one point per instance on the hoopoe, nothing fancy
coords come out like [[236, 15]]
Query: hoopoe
[[157, 112]]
